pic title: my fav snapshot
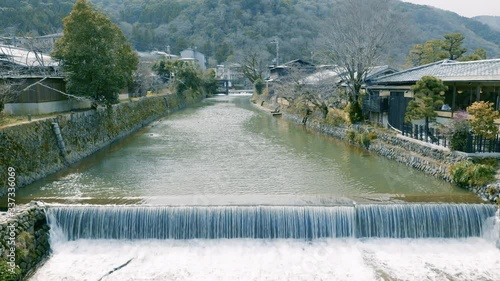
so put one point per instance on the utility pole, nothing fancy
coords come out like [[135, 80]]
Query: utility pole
[[275, 41]]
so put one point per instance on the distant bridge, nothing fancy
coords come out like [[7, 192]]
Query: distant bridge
[[223, 88]]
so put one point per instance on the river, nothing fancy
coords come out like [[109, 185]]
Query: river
[[224, 191], [225, 151]]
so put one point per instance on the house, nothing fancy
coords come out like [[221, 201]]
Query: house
[[37, 77], [280, 71], [332, 76], [193, 55], [467, 82]]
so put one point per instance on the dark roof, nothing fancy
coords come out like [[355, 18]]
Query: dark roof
[[448, 71]]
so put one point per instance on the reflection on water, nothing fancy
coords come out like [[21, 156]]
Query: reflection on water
[[227, 152]]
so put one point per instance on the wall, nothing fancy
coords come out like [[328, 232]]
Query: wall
[[34, 150], [30, 232], [44, 107]]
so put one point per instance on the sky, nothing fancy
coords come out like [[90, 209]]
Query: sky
[[466, 8]]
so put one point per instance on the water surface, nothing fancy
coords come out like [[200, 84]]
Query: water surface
[[225, 151]]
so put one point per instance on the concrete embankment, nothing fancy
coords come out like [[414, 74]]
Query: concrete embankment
[[40, 148]]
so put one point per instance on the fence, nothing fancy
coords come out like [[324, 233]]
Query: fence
[[475, 144], [431, 135]]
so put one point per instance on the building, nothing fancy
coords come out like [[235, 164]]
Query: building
[[467, 82], [38, 79], [194, 56]]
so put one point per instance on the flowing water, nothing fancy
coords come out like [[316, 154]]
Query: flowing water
[[223, 191], [227, 152]]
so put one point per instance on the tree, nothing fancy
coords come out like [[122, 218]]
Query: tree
[[452, 44], [209, 82], [97, 59], [253, 67], [357, 35], [184, 76], [479, 54], [427, 98], [431, 51], [436, 50], [483, 121], [316, 92]]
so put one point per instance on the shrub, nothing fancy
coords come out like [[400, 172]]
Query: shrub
[[259, 85], [8, 275], [354, 112], [362, 138], [335, 118], [483, 121], [458, 140], [351, 135], [467, 173]]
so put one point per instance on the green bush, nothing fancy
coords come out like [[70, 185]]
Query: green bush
[[259, 85], [458, 140], [7, 275], [354, 112], [467, 173], [363, 139]]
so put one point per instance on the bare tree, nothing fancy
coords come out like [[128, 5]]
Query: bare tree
[[254, 66], [355, 38], [318, 91], [143, 80]]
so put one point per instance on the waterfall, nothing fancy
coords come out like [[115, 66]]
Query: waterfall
[[270, 222]]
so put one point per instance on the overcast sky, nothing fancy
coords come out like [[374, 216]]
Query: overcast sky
[[467, 8]]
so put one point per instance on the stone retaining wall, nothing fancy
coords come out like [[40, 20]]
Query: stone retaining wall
[[24, 241], [40, 148]]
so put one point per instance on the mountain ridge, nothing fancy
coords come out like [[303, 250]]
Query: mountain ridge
[[226, 30]]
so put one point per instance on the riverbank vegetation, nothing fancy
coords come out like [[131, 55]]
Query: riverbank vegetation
[[469, 173]]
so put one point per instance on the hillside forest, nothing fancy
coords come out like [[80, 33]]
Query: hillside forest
[[227, 30]]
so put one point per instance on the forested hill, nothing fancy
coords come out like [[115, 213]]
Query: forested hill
[[226, 29], [492, 21]]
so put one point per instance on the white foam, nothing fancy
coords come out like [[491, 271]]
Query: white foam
[[332, 259]]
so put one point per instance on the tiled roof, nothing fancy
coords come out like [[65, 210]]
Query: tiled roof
[[448, 71], [335, 74]]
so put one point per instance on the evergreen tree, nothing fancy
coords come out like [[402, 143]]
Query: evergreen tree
[[427, 99], [97, 59]]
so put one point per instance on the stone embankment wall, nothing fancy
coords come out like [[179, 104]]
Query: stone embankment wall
[[24, 241], [39, 148]]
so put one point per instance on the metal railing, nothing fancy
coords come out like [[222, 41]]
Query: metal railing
[[431, 135], [475, 144]]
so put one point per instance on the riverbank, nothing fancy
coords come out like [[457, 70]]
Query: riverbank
[[430, 159], [26, 244], [40, 148]]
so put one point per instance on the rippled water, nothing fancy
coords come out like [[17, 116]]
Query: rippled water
[[225, 151]]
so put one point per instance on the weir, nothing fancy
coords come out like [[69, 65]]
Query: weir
[[271, 222]]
